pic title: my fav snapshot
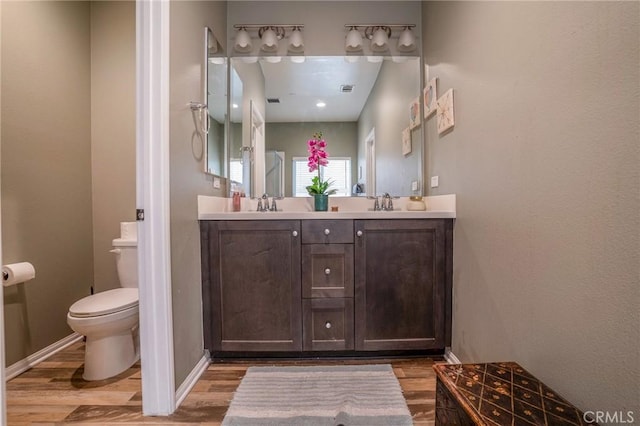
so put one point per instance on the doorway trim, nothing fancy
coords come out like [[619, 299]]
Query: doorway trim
[[152, 196], [256, 124], [3, 395]]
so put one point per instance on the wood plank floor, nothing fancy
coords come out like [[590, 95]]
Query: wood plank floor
[[54, 393]]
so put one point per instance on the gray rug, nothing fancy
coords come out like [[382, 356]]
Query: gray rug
[[364, 395]]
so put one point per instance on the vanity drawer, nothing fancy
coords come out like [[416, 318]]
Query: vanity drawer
[[327, 270], [327, 232], [327, 324]]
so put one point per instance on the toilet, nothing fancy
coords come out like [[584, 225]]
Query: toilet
[[109, 319]]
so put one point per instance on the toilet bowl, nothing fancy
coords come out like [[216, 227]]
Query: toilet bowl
[[109, 319]]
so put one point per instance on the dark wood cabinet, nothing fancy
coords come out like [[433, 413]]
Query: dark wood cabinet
[[253, 272], [327, 285], [400, 284], [291, 286]]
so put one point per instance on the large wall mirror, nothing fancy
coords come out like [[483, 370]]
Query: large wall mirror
[[361, 105]]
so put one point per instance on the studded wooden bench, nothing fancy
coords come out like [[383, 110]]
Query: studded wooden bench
[[500, 393]]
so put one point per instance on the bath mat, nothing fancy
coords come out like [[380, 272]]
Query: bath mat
[[363, 395]]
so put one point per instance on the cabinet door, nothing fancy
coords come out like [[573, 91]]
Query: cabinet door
[[254, 270], [400, 271]]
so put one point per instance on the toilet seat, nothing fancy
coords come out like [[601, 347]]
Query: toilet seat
[[105, 303]]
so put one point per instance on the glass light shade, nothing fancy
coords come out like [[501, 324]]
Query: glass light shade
[[269, 41], [406, 41], [243, 41], [379, 40], [296, 43], [353, 42], [212, 43]]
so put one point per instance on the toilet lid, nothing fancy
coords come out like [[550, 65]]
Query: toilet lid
[[106, 302]]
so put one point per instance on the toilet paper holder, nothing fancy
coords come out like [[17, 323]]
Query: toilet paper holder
[[16, 273]]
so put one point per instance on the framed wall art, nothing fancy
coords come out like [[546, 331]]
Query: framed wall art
[[406, 141], [445, 112], [430, 96], [414, 113]]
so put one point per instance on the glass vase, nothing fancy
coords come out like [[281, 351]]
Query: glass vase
[[320, 202]]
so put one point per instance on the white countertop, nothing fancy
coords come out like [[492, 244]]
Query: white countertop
[[219, 208]]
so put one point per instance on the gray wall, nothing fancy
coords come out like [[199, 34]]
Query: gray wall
[[187, 179], [113, 130], [292, 138], [46, 167], [387, 110], [544, 161]]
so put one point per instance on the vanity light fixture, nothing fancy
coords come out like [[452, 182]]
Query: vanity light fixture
[[296, 42], [380, 34], [243, 41], [212, 43], [379, 37], [270, 36], [406, 41], [353, 41]]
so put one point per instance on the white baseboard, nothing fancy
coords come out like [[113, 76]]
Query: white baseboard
[[191, 380], [450, 356], [23, 365]]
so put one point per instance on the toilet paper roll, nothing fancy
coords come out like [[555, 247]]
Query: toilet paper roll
[[15, 273]]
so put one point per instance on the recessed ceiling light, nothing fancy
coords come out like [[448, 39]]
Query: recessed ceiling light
[[321, 104], [235, 105]]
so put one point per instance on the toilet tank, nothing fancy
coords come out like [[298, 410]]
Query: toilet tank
[[126, 251]]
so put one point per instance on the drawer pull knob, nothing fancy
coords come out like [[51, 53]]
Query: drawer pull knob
[[328, 324], [359, 233], [327, 271], [327, 231], [294, 233]]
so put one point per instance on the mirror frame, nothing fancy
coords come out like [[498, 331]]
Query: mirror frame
[[210, 47]]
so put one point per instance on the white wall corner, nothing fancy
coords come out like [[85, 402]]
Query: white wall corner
[[450, 357], [32, 360], [192, 379]]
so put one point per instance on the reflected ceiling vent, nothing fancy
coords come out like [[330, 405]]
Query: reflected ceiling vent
[[273, 100], [347, 88]]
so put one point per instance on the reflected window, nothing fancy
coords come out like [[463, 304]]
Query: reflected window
[[235, 170], [338, 171]]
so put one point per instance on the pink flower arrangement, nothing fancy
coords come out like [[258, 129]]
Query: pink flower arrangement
[[318, 157], [317, 153]]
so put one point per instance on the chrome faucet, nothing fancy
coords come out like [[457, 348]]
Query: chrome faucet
[[387, 202], [376, 203], [265, 206], [263, 203]]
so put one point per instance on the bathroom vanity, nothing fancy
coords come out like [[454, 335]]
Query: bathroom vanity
[[326, 283]]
